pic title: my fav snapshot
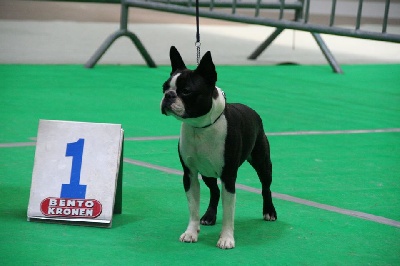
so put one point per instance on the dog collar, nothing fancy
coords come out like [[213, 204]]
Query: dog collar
[[214, 120], [212, 123]]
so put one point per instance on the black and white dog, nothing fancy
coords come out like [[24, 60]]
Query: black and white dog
[[216, 138]]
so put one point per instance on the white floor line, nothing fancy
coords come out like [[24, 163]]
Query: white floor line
[[289, 133], [357, 214], [17, 144], [334, 132], [352, 213], [150, 138]]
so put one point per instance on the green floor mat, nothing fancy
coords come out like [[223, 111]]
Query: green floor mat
[[335, 140]]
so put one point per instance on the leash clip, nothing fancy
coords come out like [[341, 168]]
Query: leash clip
[[198, 44]]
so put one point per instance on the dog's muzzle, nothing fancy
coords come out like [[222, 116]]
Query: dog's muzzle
[[164, 108], [173, 105], [168, 99]]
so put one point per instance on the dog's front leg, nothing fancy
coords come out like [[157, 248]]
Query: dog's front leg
[[226, 239], [192, 188]]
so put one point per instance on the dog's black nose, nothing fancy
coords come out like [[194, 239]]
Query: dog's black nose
[[170, 95]]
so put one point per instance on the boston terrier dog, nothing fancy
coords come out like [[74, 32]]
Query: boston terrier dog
[[216, 138]]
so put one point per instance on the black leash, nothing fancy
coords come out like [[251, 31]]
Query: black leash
[[197, 44]]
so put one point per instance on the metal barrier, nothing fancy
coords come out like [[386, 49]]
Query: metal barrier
[[252, 10]]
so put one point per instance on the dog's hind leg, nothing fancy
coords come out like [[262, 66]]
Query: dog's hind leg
[[210, 217], [261, 162]]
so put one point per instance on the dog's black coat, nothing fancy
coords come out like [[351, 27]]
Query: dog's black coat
[[252, 146], [245, 137]]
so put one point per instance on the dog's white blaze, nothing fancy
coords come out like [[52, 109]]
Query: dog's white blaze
[[172, 83]]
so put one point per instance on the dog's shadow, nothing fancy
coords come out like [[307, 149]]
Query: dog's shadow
[[248, 232]]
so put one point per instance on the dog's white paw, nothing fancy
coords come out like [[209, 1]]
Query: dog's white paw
[[268, 217], [226, 242], [189, 237]]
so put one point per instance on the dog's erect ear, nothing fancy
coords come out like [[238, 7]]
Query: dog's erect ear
[[206, 69], [176, 60]]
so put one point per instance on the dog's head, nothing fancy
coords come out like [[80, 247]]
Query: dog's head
[[189, 93]]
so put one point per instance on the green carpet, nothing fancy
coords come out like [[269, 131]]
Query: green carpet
[[358, 172]]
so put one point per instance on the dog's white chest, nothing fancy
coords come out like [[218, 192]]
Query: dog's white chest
[[202, 149]]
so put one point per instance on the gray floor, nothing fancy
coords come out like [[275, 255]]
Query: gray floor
[[34, 32]]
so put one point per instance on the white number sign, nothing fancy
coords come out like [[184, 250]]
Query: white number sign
[[77, 173]]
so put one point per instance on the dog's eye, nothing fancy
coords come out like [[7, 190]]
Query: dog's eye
[[185, 91]]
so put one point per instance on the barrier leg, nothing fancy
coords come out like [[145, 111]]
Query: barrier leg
[[142, 50], [110, 40], [103, 48], [327, 53], [265, 44]]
